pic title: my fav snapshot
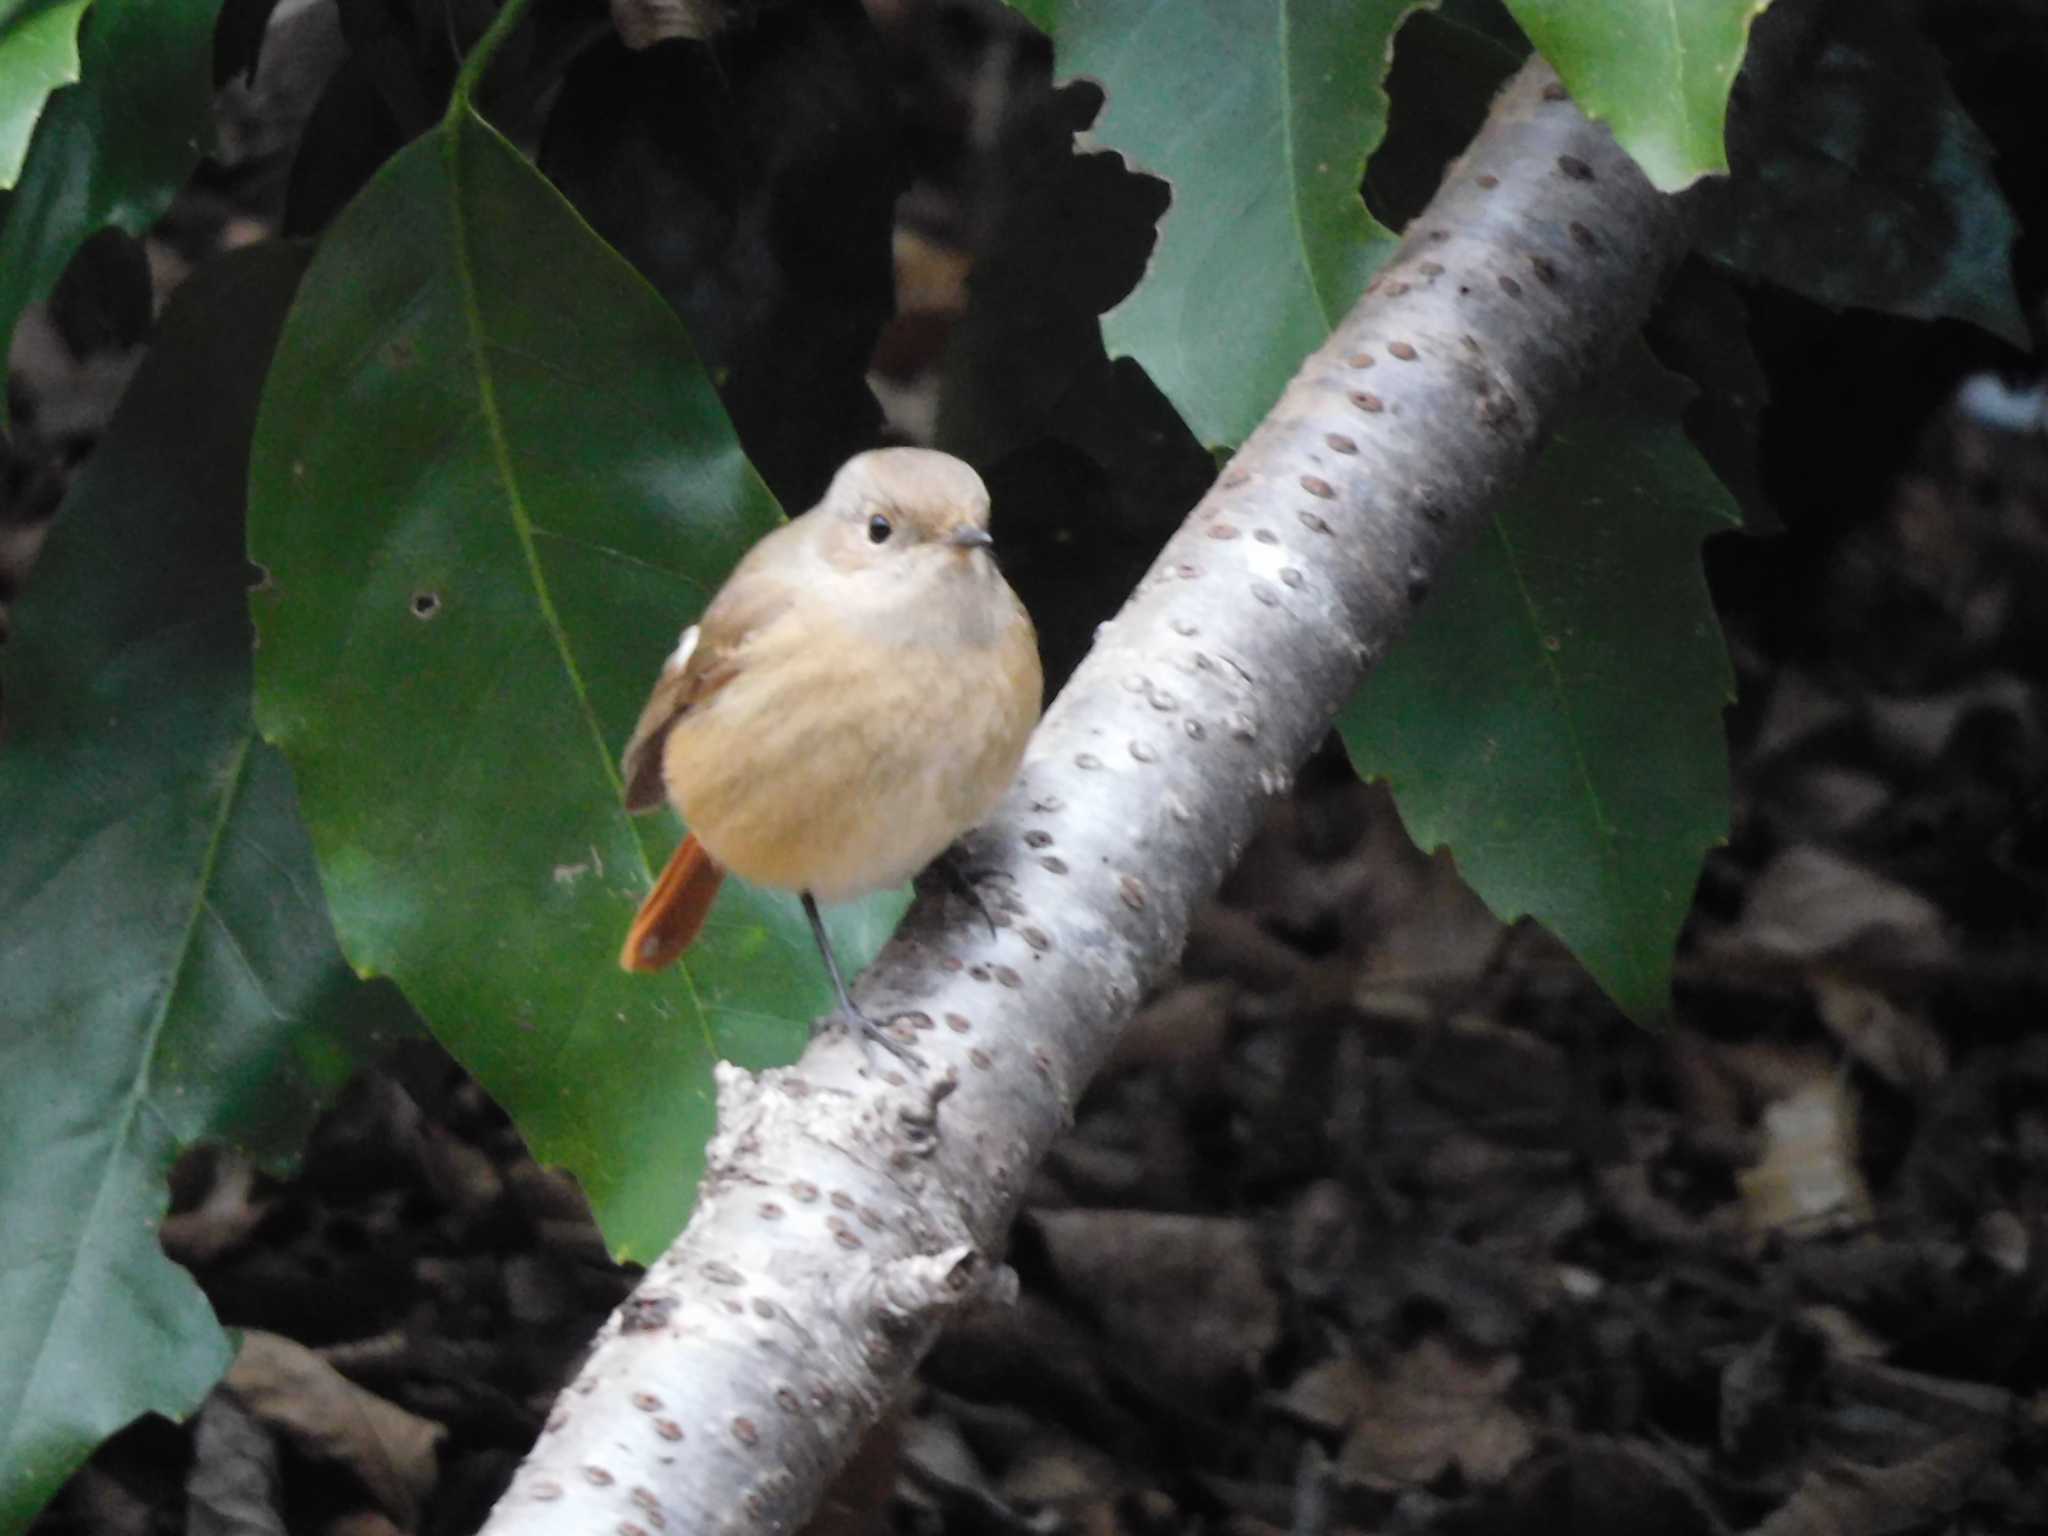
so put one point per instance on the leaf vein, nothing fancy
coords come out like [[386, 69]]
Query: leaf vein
[[496, 432], [138, 1099]]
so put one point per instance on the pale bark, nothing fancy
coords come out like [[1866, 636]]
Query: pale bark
[[843, 1219]]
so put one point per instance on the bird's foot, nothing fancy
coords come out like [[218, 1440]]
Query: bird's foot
[[871, 1033], [951, 867]]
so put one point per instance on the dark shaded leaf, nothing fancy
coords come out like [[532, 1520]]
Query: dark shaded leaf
[[167, 968], [1555, 714], [238, 38], [1860, 180], [112, 149]]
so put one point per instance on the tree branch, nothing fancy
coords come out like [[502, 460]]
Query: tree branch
[[842, 1221]]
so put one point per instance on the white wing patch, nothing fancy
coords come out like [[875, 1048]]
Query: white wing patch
[[679, 658]]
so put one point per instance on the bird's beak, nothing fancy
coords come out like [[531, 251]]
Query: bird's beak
[[967, 536]]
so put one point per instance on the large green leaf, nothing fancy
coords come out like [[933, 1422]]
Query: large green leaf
[[112, 149], [491, 482], [1555, 715], [1259, 116], [38, 53], [1657, 74], [167, 968], [1862, 181]]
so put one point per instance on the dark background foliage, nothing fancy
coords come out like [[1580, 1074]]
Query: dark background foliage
[[1384, 1219]]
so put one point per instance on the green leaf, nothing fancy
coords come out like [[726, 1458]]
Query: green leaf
[[1865, 183], [1260, 118], [1042, 14], [1555, 714], [491, 483], [38, 53], [114, 148], [1657, 74], [167, 968]]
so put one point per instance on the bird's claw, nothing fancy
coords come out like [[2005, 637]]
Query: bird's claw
[[871, 1033], [954, 872]]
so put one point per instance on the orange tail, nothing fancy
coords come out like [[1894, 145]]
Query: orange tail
[[674, 910]]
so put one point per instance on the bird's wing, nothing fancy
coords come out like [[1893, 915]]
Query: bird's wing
[[710, 654]]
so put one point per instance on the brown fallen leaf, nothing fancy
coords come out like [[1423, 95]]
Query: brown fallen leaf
[[1441, 933], [643, 23], [1851, 1500], [1807, 1180], [224, 1217], [1893, 1041], [1812, 903], [389, 1450], [1185, 1298], [359, 1522], [1431, 1408], [232, 1486], [1188, 1022]]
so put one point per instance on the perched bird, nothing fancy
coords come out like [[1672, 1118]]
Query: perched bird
[[856, 696]]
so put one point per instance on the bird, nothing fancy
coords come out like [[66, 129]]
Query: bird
[[856, 696]]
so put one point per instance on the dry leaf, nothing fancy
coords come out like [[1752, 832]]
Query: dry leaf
[[222, 1220], [330, 1418], [231, 1488], [1900, 1047], [643, 23], [1850, 1500], [1185, 1297], [1807, 1180], [1434, 1408], [1809, 903]]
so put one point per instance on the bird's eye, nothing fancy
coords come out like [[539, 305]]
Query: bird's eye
[[879, 529]]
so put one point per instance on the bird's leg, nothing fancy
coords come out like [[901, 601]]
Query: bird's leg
[[952, 869], [870, 1030]]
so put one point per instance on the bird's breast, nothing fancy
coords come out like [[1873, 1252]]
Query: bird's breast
[[842, 757]]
